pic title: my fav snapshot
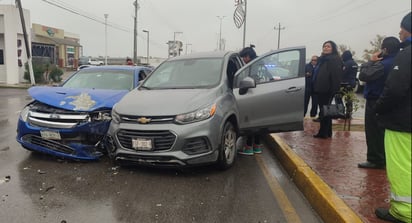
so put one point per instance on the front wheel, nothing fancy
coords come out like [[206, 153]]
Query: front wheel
[[227, 150]]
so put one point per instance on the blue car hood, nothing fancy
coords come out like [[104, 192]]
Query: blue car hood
[[76, 99]]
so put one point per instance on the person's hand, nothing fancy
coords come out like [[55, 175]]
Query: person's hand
[[308, 74], [375, 56]]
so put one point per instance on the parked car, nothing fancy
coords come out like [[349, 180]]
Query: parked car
[[359, 84], [192, 109], [83, 61], [96, 62], [69, 121]]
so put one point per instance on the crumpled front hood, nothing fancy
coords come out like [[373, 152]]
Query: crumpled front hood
[[76, 99]]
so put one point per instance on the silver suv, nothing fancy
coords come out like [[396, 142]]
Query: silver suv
[[192, 109]]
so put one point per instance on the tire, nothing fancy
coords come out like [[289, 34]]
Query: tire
[[227, 149]]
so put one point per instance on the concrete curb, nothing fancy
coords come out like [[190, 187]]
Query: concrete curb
[[329, 206], [21, 86]]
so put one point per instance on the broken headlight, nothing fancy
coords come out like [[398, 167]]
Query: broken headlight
[[101, 116], [24, 114]]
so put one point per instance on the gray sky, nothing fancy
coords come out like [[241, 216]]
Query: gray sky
[[307, 23]]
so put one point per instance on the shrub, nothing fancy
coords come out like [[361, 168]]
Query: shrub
[[55, 74], [38, 71], [43, 73]]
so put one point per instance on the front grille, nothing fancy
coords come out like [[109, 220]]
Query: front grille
[[196, 146], [56, 120], [162, 140], [150, 119], [50, 144]]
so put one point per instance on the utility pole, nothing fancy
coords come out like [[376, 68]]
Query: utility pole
[[26, 42], [136, 7], [220, 32], [244, 25], [279, 28]]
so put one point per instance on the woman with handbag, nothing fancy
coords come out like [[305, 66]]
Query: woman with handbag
[[326, 82]]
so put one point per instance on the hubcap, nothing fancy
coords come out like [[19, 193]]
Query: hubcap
[[230, 145]]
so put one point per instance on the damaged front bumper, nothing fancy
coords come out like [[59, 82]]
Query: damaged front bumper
[[63, 133], [81, 142]]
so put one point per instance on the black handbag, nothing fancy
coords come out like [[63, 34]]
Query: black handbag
[[336, 110]]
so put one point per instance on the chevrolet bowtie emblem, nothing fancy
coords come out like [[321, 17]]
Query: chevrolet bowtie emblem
[[144, 120]]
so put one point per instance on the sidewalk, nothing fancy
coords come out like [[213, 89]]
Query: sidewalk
[[27, 85], [326, 172]]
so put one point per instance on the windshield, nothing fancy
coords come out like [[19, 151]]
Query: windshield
[[110, 79], [188, 73]]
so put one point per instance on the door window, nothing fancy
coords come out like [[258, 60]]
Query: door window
[[273, 67]]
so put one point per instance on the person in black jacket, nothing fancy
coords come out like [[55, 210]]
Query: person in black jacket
[[326, 82], [375, 156], [309, 69], [394, 111], [350, 69]]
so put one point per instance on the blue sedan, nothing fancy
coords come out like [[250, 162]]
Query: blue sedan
[[70, 121]]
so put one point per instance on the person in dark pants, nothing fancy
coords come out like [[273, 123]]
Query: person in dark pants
[[327, 79], [309, 68], [375, 133], [394, 112], [253, 145]]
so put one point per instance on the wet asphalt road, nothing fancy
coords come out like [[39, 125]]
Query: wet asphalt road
[[39, 188]]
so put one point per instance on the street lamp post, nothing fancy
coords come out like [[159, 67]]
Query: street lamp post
[[220, 32], [174, 39], [136, 7], [147, 31], [105, 38]]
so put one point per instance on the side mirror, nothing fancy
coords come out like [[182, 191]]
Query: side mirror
[[245, 84]]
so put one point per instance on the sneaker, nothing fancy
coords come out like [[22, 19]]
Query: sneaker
[[257, 148], [383, 213], [247, 150]]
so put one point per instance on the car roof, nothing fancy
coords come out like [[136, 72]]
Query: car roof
[[119, 67], [211, 54]]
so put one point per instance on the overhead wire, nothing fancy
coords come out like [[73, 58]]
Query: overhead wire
[[71, 9], [83, 14]]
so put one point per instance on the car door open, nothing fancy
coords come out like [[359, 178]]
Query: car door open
[[275, 102]]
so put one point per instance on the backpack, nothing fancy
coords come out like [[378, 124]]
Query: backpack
[[371, 70]]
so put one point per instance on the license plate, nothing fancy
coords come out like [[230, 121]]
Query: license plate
[[142, 144], [50, 135]]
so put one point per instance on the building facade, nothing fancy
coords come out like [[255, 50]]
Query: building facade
[[13, 54], [55, 46], [48, 45]]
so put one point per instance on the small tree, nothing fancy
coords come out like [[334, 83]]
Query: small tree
[[376, 46]]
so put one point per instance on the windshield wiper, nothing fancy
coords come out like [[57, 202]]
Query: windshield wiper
[[144, 87]]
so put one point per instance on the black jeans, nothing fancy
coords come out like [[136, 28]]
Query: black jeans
[[375, 135]]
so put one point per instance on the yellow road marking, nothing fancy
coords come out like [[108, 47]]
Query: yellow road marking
[[288, 210]]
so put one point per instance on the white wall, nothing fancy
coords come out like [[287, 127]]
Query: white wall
[[12, 73]]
